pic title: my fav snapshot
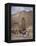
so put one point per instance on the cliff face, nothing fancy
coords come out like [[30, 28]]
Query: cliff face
[[19, 16]]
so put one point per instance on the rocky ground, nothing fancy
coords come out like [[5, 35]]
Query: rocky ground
[[27, 35]]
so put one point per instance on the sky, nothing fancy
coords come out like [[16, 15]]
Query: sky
[[15, 9]]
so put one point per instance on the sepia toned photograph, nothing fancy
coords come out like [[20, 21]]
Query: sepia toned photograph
[[21, 23]]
